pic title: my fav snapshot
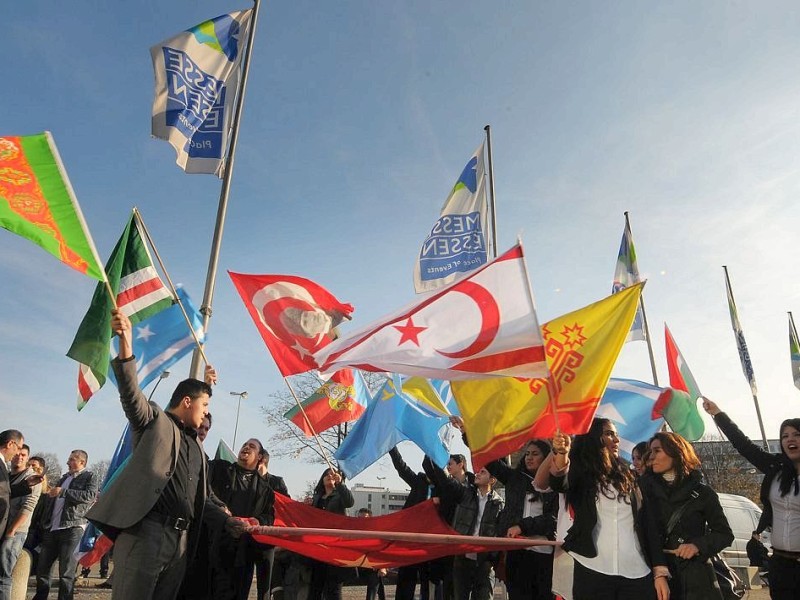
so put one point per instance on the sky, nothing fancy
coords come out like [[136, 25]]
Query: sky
[[358, 119]]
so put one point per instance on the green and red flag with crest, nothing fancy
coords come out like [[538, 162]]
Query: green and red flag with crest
[[681, 413], [37, 202], [139, 292], [342, 398]]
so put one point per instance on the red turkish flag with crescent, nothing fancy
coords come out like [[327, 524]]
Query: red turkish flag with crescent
[[294, 316], [483, 324]]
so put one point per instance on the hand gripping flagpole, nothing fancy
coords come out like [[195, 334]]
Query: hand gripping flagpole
[[310, 426], [211, 276], [140, 222]]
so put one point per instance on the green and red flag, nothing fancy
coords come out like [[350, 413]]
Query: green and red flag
[[342, 398], [140, 293], [794, 352], [37, 202], [681, 412]]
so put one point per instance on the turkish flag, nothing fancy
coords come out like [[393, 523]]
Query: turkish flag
[[294, 316], [482, 325]]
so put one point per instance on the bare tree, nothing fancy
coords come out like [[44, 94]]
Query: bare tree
[[289, 441], [100, 470], [52, 468], [725, 470]]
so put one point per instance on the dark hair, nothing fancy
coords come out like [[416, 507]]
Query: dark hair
[[319, 489], [640, 449], [82, 455], [680, 451], [365, 511], [10, 435], [210, 420], [40, 460], [788, 470], [607, 474], [260, 445], [459, 458], [26, 447], [194, 388], [542, 445]]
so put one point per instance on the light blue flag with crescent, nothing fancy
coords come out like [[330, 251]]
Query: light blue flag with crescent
[[625, 275], [163, 339], [629, 404], [457, 242], [197, 76], [392, 417]]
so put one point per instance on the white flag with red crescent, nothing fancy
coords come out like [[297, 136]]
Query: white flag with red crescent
[[482, 325]]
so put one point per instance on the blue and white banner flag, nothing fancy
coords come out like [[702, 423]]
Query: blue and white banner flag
[[629, 405], [163, 339], [627, 274], [197, 75], [457, 242]]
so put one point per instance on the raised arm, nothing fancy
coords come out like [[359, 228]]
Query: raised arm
[[405, 472], [755, 455], [137, 409]]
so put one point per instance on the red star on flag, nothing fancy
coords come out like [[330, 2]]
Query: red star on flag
[[409, 332]]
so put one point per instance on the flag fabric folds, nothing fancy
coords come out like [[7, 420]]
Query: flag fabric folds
[[483, 324], [681, 412], [196, 81], [625, 275], [39, 204], [373, 552], [294, 316], [794, 352], [630, 404], [390, 418], [741, 345], [163, 339], [457, 242], [501, 414], [224, 452], [140, 294], [342, 398]]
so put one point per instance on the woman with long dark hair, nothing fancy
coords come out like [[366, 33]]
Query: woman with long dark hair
[[330, 494], [780, 496], [610, 539], [691, 520], [527, 512]]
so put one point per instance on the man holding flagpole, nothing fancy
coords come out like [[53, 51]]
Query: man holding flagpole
[[155, 506]]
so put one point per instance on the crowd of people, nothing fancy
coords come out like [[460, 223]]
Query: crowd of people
[[645, 529]]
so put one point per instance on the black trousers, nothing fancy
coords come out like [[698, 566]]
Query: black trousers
[[784, 578], [591, 585], [530, 575]]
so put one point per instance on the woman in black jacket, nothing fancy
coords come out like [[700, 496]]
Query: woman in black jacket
[[330, 494], [690, 518], [780, 496], [611, 539], [527, 512]]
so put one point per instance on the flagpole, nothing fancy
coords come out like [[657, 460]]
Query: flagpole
[[211, 276], [308, 422], [138, 216], [488, 130], [744, 357], [644, 322]]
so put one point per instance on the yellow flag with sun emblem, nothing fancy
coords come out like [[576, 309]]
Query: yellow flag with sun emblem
[[581, 347]]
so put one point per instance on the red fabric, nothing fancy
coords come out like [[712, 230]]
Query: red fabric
[[294, 316], [101, 546], [337, 401], [370, 552]]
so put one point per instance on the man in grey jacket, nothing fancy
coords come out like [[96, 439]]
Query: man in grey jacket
[[64, 525], [155, 505]]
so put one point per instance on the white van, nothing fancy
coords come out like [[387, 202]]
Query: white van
[[743, 515]]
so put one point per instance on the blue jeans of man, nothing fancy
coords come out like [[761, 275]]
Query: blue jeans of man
[[60, 545], [10, 549]]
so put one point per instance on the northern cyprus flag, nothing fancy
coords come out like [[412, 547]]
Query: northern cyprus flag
[[140, 294]]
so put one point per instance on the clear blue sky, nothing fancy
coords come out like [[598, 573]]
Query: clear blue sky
[[360, 116]]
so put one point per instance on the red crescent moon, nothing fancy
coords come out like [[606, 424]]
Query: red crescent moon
[[490, 319], [275, 323]]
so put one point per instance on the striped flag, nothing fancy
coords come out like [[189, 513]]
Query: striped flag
[[794, 352], [741, 345], [681, 412], [625, 275], [140, 294]]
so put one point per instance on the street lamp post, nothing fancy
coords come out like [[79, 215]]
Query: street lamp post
[[242, 395], [380, 481], [164, 375]]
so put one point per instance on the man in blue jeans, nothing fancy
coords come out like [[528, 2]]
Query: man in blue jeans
[[74, 494], [19, 519]]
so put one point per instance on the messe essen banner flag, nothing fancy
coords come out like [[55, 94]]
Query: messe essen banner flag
[[457, 243], [37, 202], [482, 325], [197, 76]]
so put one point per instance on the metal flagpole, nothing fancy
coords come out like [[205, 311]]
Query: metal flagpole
[[744, 355], [211, 276], [493, 225], [644, 321]]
